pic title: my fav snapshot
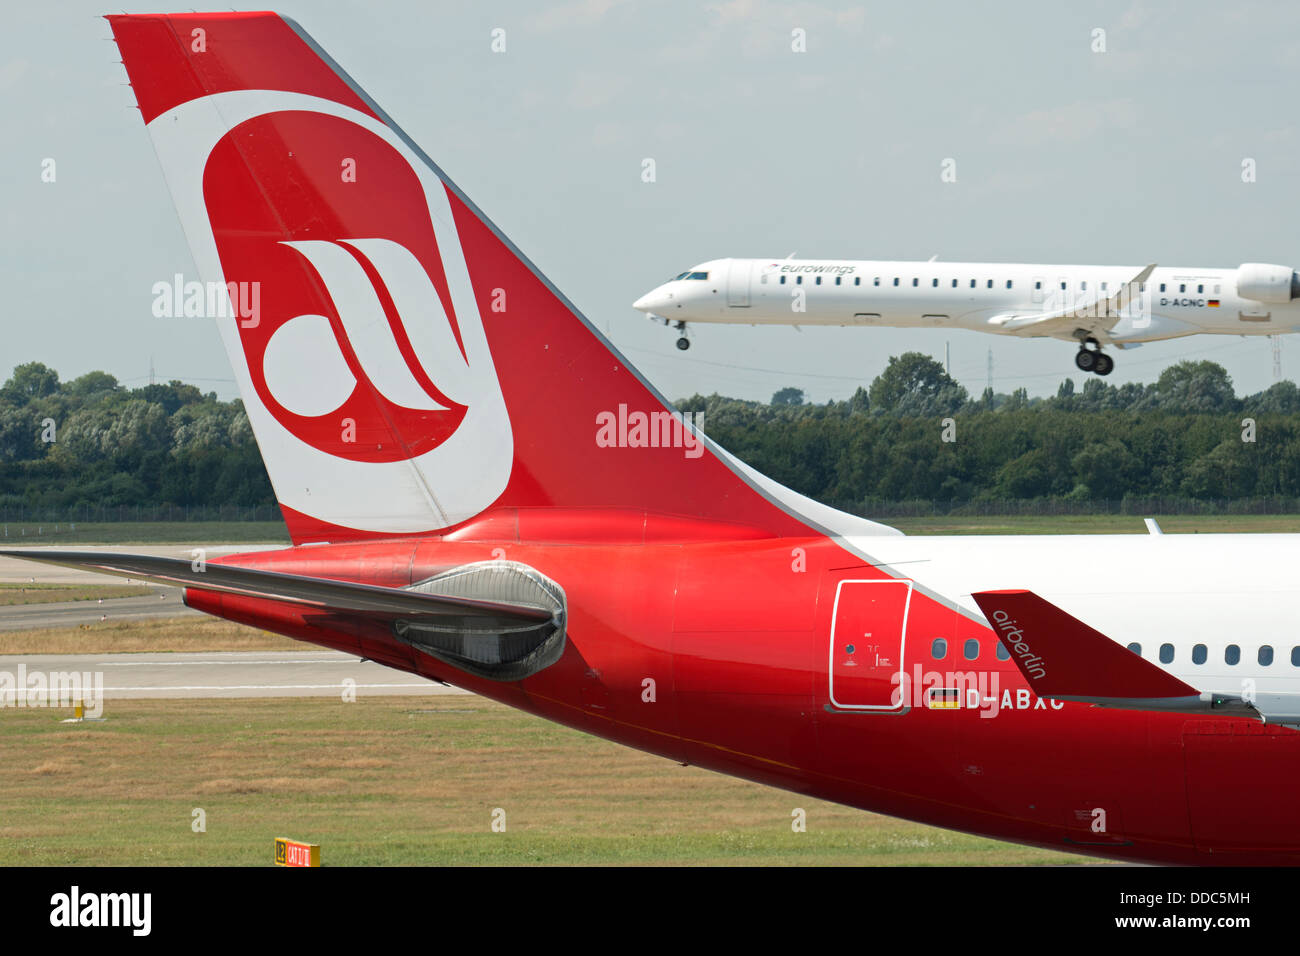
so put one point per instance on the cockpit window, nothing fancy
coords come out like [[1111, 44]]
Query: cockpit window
[[697, 275], [682, 276]]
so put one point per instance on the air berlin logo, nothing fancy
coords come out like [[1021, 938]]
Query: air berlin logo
[[368, 376], [1014, 638], [307, 364], [360, 352]]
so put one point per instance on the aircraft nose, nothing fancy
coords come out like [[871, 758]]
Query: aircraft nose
[[653, 301]]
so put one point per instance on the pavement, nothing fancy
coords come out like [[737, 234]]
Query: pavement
[[161, 602], [310, 673]]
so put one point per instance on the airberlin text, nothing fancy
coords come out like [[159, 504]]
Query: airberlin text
[[1014, 639]]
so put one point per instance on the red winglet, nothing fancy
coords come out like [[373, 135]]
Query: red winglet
[[1061, 656]]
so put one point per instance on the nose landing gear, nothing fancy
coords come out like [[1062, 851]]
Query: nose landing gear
[[683, 343], [1091, 358]]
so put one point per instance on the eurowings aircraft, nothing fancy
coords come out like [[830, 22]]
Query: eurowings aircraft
[[481, 490], [1093, 306]]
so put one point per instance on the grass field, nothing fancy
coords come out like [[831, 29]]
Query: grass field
[[1096, 524], [145, 532], [407, 781], [198, 533], [154, 636], [13, 593]]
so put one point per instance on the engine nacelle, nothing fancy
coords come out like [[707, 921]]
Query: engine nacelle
[[1266, 283]]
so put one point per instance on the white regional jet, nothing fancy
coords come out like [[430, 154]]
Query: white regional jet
[[1092, 305]]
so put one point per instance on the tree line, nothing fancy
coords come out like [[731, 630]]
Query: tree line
[[913, 434]]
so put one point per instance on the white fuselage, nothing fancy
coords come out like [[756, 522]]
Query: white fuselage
[[1197, 596], [1172, 302]]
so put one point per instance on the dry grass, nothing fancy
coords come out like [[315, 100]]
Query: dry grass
[[406, 781], [159, 635], [12, 594]]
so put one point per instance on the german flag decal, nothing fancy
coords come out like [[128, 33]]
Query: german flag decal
[[1213, 303], [944, 698]]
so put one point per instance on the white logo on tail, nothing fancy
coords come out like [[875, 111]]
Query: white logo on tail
[[304, 368]]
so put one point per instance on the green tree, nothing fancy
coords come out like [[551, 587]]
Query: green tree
[[1195, 387], [29, 381], [915, 384]]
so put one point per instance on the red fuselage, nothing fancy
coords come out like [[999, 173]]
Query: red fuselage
[[721, 654]]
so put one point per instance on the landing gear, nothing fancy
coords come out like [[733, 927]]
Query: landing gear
[[1091, 358], [683, 343]]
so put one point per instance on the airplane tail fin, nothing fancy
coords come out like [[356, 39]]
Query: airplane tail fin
[[404, 367]]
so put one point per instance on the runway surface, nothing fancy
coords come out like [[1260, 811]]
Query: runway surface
[[16, 569], [220, 674]]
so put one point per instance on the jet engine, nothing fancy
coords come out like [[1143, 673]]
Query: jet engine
[[1265, 283]]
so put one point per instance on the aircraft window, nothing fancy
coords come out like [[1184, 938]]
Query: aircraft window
[[895, 280], [1232, 654], [1008, 283], [1142, 286], [1198, 654], [1103, 286], [915, 282], [837, 280], [1166, 653], [697, 275], [954, 283], [934, 283], [1295, 657], [819, 280], [1083, 287], [682, 276], [990, 285], [972, 650], [1062, 285], [1265, 656], [1162, 287], [798, 280], [1136, 648], [1200, 289], [782, 280], [1038, 284], [1182, 287], [972, 283], [938, 648], [1003, 653]]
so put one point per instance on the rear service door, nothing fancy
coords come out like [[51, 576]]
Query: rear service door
[[866, 643]]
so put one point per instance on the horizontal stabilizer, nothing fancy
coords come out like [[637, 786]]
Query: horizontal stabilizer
[[1063, 658], [322, 593]]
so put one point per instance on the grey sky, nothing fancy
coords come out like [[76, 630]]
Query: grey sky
[[1063, 156]]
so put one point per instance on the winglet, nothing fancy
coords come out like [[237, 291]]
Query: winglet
[[1061, 657]]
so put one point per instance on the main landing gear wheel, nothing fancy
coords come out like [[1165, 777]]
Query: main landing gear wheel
[[1105, 364], [1087, 360]]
